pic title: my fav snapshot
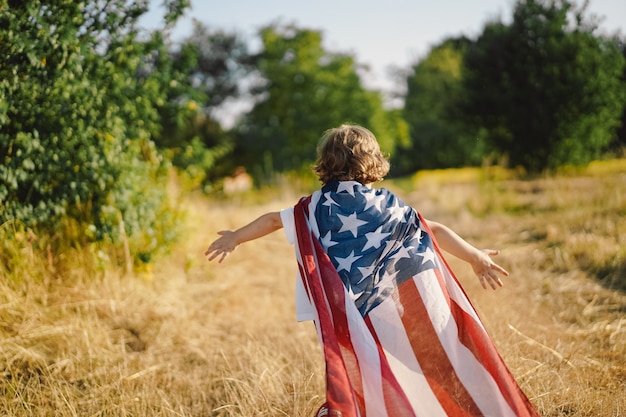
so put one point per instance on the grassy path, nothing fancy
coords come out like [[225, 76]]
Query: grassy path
[[196, 339]]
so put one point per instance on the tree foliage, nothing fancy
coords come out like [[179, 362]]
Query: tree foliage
[[199, 74], [438, 138], [620, 144], [546, 88], [303, 91], [77, 114]]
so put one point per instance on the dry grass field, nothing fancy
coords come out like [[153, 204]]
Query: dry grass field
[[79, 337]]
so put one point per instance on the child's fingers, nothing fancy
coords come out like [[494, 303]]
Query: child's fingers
[[490, 279], [213, 253], [493, 265], [483, 283], [217, 252], [500, 270], [494, 280], [212, 250], [213, 247], [488, 275]]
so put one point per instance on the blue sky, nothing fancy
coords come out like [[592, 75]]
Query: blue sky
[[379, 33]]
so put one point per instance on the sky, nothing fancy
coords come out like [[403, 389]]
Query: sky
[[380, 34]]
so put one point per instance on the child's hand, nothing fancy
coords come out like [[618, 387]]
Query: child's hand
[[230, 239], [486, 270], [222, 246]]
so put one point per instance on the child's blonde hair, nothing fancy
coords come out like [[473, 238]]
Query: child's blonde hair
[[350, 153]]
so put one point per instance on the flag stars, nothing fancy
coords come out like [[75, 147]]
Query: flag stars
[[346, 263], [387, 281], [327, 241], [350, 223], [403, 252], [347, 186], [374, 239], [427, 255], [329, 201], [418, 236], [389, 246], [397, 213], [366, 272], [374, 200]]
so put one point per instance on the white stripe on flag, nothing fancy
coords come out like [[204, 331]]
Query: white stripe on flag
[[366, 351], [457, 294], [315, 198]]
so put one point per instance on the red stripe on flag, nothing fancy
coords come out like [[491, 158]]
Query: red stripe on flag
[[431, 356], [335, 294], [339, 392]]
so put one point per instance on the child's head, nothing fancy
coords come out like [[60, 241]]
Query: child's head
[[350, 153]]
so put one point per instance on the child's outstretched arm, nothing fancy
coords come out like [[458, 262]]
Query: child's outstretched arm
[[485, 269], [230, 239]]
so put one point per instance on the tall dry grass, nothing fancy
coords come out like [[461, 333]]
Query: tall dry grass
[[79, 337]]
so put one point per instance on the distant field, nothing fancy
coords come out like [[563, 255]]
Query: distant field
[[189, 338]]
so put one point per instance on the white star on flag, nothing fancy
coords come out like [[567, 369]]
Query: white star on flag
[[347, 186], [387, 281], [374, 200], [427, 255], [418, 236], [329, 201], [346, 263], [389, 246], [397, 213], [366, 272], [374, 239], [403, 252], [327, 241], [350, 223]]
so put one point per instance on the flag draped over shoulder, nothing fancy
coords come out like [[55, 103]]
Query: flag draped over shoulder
[[399, 335]]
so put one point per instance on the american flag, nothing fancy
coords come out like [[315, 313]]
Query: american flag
[[399, 335]]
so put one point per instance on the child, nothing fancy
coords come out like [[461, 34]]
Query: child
[[399, 336]]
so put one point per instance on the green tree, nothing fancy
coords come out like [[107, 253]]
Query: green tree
[[76, 118], [620, 144], [438, 138], [546, 88], [200, 74], [303, 90]]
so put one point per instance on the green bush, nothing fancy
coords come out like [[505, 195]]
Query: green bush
[[77, 111]]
